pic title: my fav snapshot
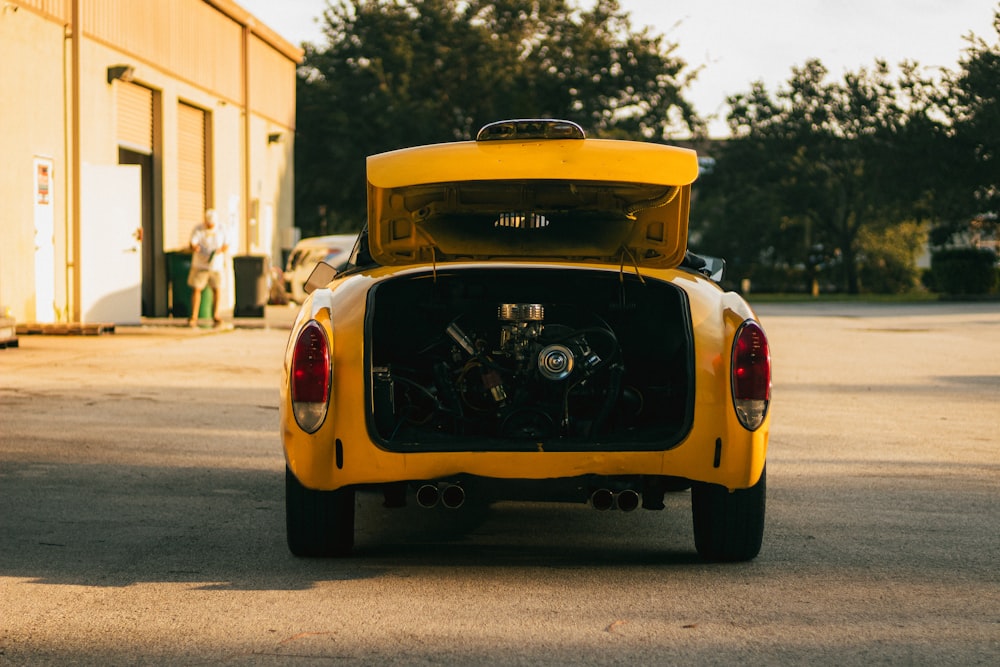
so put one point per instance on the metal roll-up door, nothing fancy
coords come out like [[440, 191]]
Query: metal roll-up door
[[190, 170], [135, 117]]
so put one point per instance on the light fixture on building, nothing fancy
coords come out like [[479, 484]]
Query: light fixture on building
[[274, 138], [120, 72]]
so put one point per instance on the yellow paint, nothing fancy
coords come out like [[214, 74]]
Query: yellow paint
[[715, 318], [643, 190]]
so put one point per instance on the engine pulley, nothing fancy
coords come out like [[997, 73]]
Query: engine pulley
[[555, 362]]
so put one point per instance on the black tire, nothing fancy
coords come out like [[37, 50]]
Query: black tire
[[728, 527], [318, 523]]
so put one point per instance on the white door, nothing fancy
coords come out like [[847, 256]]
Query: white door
[[45, 252], [110, 253]]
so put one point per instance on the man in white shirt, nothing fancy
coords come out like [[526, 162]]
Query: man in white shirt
[[208, 247]]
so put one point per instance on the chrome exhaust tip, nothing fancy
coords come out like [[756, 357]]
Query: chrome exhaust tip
[[602, 500], [428, 495], [453, 496], [628, 500]]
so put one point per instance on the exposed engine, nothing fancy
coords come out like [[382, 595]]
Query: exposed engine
[[515, 377], [519, 359]]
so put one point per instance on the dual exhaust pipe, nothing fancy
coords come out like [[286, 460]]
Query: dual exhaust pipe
[[451, 496], [606, 499]]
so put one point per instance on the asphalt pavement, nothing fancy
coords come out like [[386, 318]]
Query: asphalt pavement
[[142, 518]]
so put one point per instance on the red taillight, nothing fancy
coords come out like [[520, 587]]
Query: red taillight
[[751, 374], [310, 376]]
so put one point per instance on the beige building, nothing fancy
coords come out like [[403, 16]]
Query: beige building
[[121, 122]]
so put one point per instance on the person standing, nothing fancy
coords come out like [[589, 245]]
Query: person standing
[[208, 248]]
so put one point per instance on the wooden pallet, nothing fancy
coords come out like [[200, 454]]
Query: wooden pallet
[[65, 329]]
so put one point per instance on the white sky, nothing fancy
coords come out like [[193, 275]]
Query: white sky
[[737, 42]]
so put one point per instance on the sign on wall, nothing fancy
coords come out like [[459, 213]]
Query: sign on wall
[[45, 251]]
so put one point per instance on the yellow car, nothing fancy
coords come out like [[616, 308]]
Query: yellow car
[[521, 320]]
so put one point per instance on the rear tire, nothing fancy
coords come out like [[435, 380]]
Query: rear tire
[[318, 523], [728, 527]]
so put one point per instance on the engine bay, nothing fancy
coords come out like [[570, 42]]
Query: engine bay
[[483, 359]]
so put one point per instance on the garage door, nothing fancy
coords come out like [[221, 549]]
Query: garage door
[[191, 127], [135, 117]]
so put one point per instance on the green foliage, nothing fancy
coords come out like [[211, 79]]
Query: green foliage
[[964, 271], [816, 173], [975, 98], [968, 183], [887, 258], [771, 279], [814, 167], [398, 73]]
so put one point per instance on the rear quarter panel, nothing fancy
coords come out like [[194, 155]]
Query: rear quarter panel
[[717, 449]]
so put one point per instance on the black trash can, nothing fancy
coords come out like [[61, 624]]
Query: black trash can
[[252, 290]]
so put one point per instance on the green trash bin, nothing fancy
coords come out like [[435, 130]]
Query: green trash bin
[[179, 297]]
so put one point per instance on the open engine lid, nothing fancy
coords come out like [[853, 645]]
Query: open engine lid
[[542, 193]]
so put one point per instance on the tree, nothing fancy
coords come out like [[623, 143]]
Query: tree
[[397, 73], [810, 169], [973, 177]]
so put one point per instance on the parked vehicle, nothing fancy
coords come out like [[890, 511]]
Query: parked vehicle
[[521, 320], [309, 252]]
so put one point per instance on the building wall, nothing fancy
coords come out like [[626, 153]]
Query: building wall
[[32, 109], [211, 55], [272, 97]]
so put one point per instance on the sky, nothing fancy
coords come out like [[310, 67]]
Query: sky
[[738, 42]]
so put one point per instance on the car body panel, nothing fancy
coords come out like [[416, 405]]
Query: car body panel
[[312, 457], [596, 201]]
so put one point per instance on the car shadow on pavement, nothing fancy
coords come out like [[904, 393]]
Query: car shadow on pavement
[[106, 525], [115, 526]]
